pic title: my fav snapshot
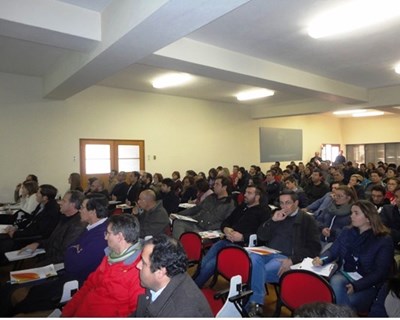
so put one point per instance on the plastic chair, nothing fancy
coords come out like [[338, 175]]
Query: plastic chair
[[233, 306], [192, 244], [298, 287], [231, 261]]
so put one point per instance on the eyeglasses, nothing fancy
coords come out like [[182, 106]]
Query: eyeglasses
[[287, 203]]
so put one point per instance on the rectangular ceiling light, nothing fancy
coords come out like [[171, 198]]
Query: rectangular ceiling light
[[171, 80], [353, 15], [342, 112], [254, 94], [369, 114]]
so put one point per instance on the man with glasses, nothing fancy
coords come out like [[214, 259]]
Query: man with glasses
[[294, 233]]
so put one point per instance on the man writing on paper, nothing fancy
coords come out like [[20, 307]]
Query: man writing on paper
[[210, 213], [290, 231]]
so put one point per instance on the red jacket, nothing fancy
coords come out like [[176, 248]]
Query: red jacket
[[110, 291]]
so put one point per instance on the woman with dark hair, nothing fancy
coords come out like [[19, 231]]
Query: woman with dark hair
[[189, 191], [391, 186], [364, 253], [176, 178], [241, 180], [212, 175], [203, 191], [75, 182]]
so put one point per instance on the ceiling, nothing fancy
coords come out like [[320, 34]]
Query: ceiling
[[228, 45]]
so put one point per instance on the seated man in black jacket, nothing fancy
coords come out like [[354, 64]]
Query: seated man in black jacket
[[168, 196], [38, 225], [238, 227]]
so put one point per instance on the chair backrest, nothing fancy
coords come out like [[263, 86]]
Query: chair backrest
[[229, 310], [253, 240], [232, 261], [191, 242], [298, 287], [68, 290]]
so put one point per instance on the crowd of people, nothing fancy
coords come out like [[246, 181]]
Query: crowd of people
[[338, 212]]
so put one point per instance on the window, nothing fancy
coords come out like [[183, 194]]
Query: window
[[99, 157], [330, 151], [374, 152]]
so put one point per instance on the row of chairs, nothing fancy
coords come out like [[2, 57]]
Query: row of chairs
[[235, 261]]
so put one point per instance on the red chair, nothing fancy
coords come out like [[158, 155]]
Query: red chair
[[231, 261], [191, 242], [298, 287]]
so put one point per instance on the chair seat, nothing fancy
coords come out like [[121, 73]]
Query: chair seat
[[215, 304]]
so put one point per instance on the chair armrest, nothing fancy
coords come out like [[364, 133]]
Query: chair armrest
[[221, 294], [241, 295]]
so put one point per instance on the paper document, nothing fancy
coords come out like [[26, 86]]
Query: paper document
[[306, 264], [263, 250], [211, 234], [33, 274], [20, 255], [352, 276], [186, 205], [181, 217]]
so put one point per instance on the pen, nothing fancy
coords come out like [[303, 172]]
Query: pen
[[323, 258]]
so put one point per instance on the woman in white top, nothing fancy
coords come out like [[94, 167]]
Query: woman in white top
[[28, 198]]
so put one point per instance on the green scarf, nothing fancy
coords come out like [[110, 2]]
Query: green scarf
[[114, 257]]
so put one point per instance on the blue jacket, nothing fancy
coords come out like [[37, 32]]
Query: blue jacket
[[369, 255]]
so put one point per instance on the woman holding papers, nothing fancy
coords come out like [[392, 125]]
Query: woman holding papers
[[364, 253]]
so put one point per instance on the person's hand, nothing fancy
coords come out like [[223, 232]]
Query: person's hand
[[10, 231], [135, 210], [235, 236], [114, 198], [350, 288], [279, 215], [30, 247], [326, 232], [317, 262], [285, 266], [228, 231]]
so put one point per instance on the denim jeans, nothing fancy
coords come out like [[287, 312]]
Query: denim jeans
[[209, 261], [264, 270], [360, 301]]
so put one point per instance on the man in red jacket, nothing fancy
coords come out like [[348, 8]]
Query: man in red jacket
[[113, 289]]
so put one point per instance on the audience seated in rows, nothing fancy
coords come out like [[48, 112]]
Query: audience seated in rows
[[80, 259], [68, 229], [39, 225]]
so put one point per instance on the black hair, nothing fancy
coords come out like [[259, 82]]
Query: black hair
[[127, 224], [293, 195], [32, 177], [169, 182], [202, 185], [49, 191], [167, 253], [98, 202], [379, 188]]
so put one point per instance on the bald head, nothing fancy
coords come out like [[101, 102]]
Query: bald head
[[147, 199]]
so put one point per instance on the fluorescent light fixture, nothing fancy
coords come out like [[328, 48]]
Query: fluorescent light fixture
[[397, 68], [171, 80], [353, 15], [369, 114], [342, 112], [254, 94]]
